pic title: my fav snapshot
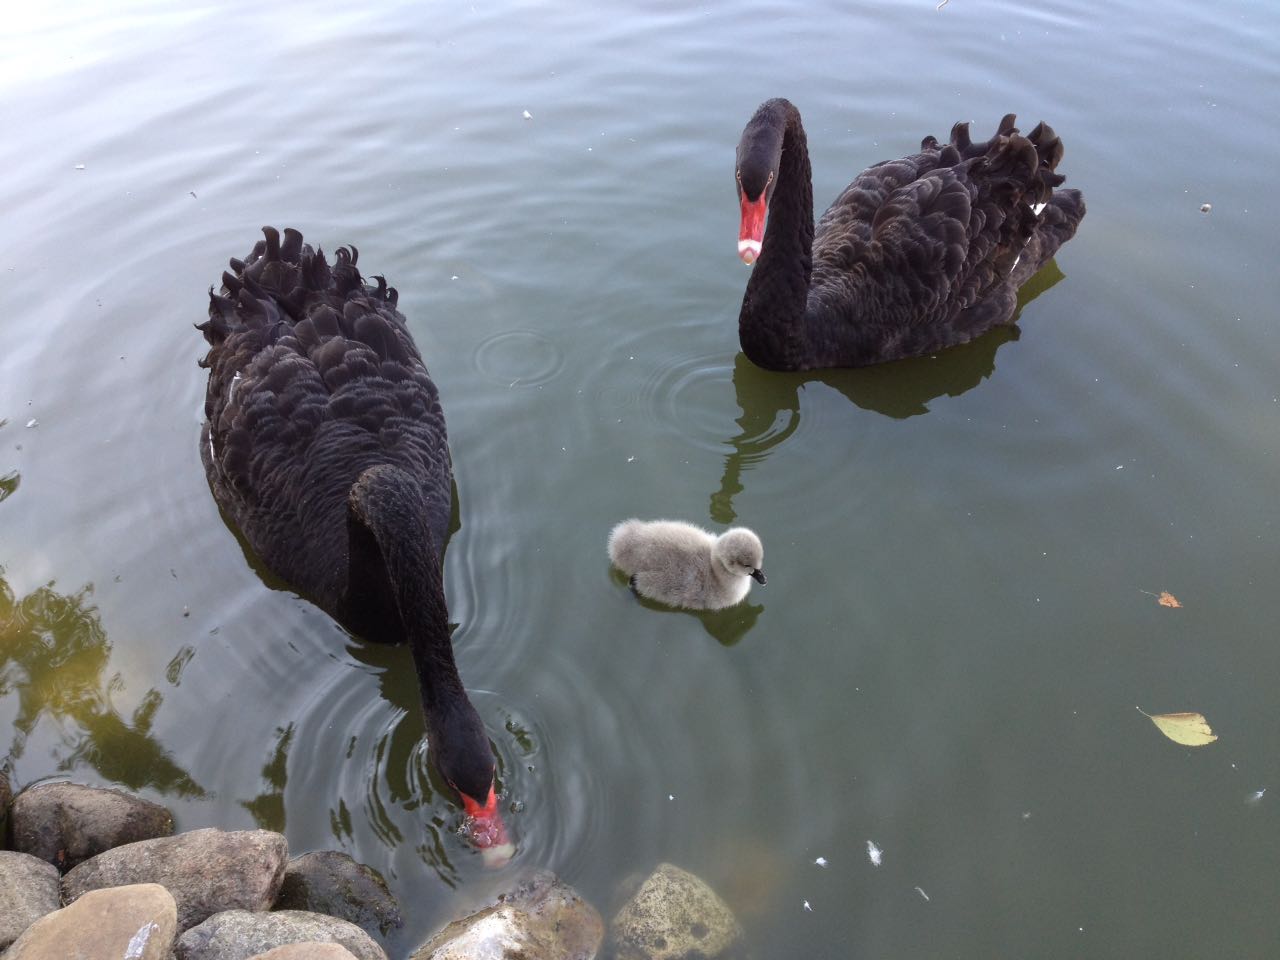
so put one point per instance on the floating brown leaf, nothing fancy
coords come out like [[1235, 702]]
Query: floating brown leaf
[[1188, 729], [1167, 599]]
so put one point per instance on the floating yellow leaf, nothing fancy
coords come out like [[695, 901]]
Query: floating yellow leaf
[[1188, 729], [1167, 599]]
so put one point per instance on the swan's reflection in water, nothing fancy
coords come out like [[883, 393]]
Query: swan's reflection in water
[[770, 401]]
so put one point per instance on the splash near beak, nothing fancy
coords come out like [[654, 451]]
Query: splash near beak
[[751, 230], [758, 576], [484, 828]]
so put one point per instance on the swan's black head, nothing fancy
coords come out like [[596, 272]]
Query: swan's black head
[[465, 759], [759, 154]]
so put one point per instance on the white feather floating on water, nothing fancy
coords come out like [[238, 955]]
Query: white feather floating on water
[[874, 853], [821, 861]]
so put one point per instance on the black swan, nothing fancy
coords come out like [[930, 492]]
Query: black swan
[[915, 255], [324, 443]]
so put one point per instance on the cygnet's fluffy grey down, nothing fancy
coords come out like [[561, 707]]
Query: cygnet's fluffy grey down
[[681, 565]]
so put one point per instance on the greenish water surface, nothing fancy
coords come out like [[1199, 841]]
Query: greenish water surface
[[964, 551]]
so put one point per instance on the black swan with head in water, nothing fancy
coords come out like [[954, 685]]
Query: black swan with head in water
[[915, 255], [325, 445]]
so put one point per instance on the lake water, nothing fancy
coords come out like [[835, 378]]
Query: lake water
[[964, 552]]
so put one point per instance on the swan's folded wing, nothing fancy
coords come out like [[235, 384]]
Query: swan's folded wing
[[894, 244], [298, 409]]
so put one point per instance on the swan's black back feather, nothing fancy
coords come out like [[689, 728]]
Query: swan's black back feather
[[915, 255], [314, 378]]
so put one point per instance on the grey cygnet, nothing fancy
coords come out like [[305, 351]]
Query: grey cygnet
[[681, 565]]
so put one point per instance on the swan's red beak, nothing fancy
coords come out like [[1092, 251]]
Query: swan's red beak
[[484, 828], [751, 231]]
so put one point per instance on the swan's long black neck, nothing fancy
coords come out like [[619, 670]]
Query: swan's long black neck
[[396, 586], [771, 322]]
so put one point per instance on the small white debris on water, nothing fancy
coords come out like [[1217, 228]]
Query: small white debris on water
[[1206, 207], [821, 861], [807, 907], [922, 893], [1120, 467], [1256, 796], [79, 166], [631, 459], [874, 853], [454, 277], [671, 796], [32, 423], [527, 115]]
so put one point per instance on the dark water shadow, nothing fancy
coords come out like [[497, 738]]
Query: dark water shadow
[[770, 401], [726, 626], [267, 808], [54, 654]]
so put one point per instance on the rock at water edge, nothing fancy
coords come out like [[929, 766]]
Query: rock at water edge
[[28, 891], [307, 951], [542, 919], [332, 883], [67, 823], [239, 935], [207, 871], [675, 916], [136, 922]]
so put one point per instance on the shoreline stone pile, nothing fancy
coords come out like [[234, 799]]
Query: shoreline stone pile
[[98, 872]]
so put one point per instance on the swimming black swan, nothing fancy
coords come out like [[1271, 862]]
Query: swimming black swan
[[324, 443], [915, 255]]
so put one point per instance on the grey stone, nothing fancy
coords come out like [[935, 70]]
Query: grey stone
[[137, 922], [542, 919], [239, 935], [6, 797], [675, 916], [28, 891], [331, 882], [67, 823], [207, 871], [307, 951]]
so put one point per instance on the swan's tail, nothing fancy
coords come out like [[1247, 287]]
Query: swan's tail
[[1016, 178], [1056, 224], [279, 283]]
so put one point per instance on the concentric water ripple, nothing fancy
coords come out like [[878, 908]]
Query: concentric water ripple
[[519, 357]]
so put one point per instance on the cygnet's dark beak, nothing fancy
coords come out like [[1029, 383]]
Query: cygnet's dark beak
[[758, 576]]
